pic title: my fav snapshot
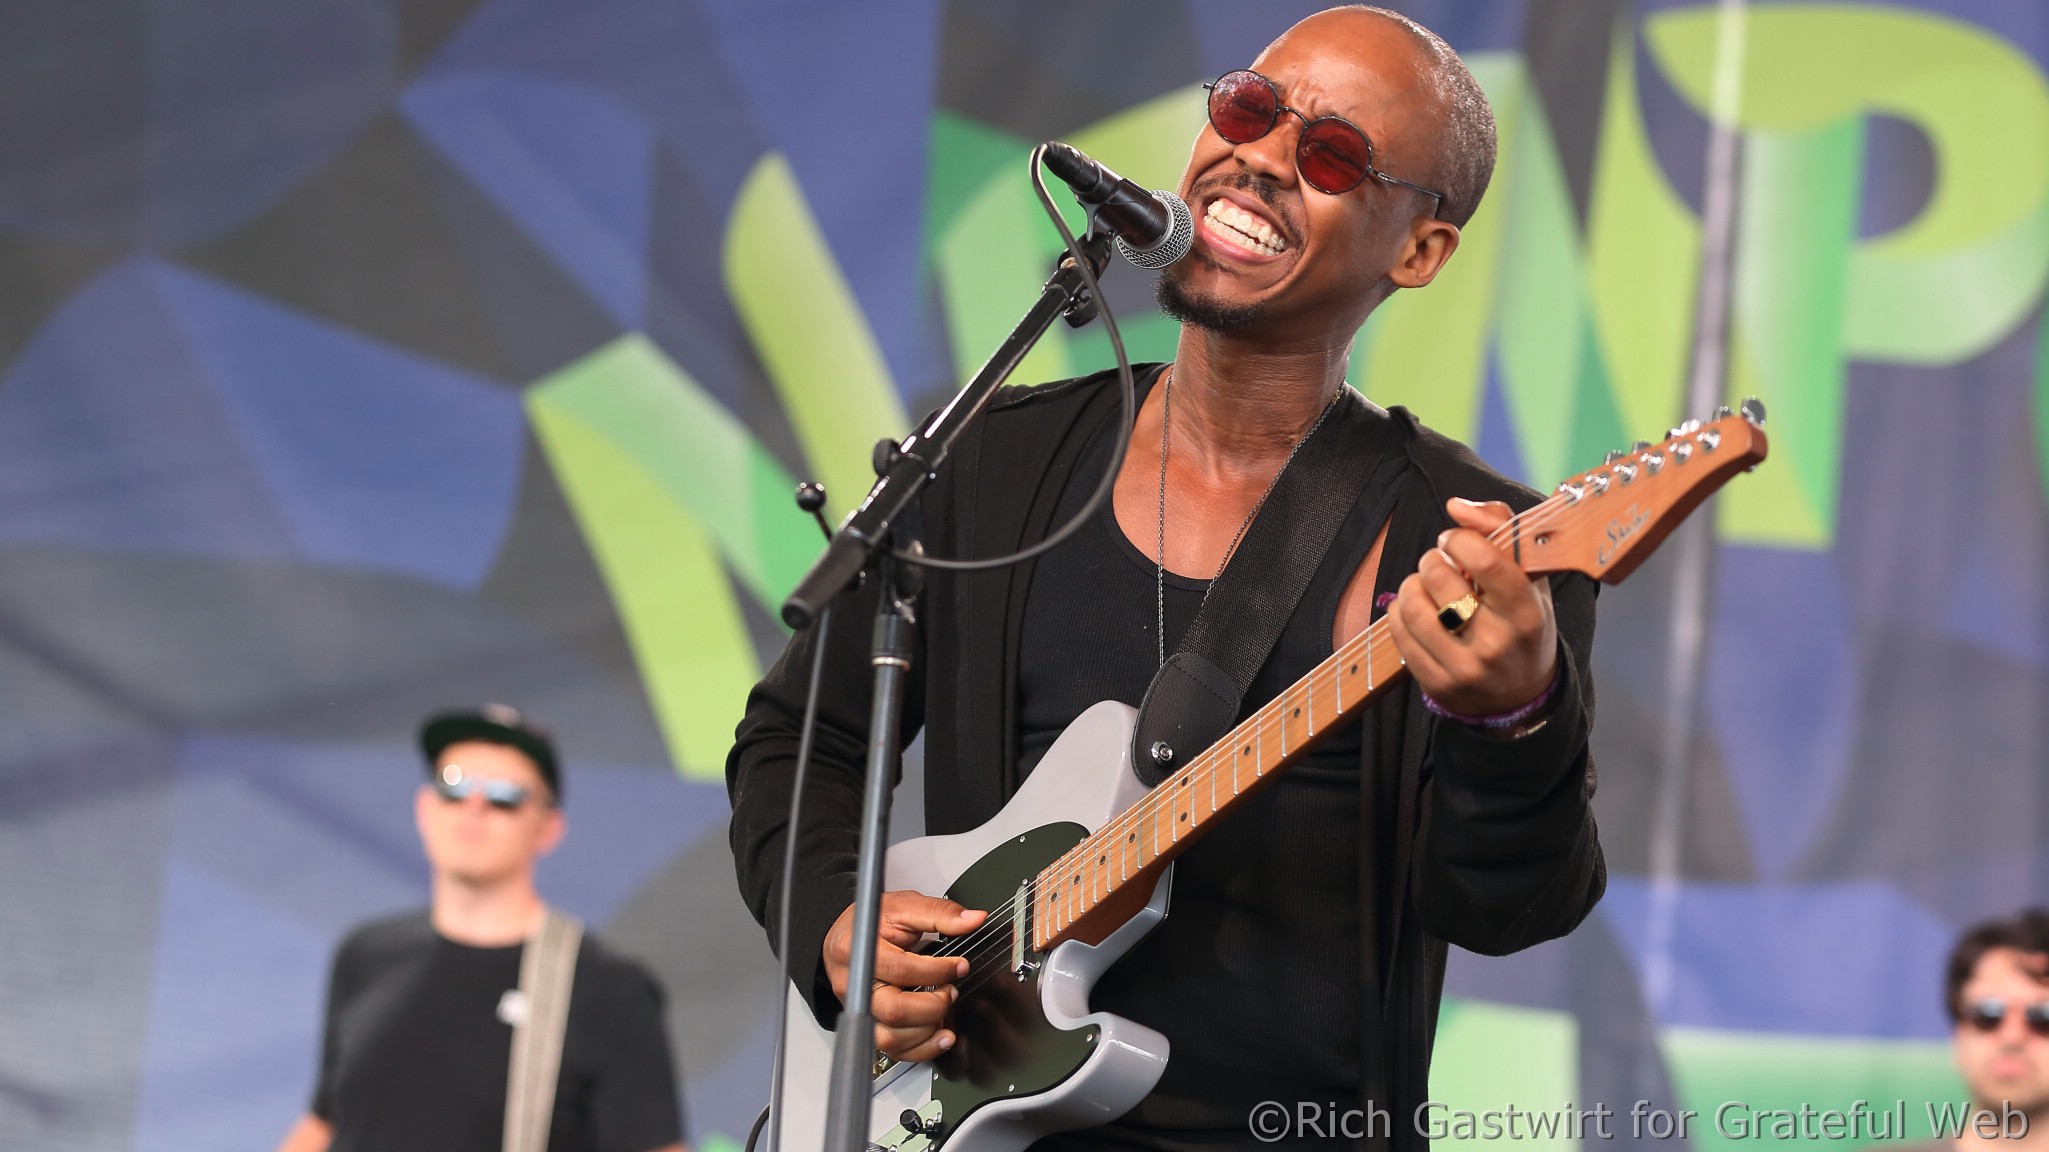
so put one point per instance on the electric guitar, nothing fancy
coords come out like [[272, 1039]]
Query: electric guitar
[[1076, 868]]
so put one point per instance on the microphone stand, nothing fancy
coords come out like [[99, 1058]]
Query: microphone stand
[[884, 526]]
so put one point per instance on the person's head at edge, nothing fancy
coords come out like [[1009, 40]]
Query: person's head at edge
[[1339, 254], [1998, 970], [491, 806]]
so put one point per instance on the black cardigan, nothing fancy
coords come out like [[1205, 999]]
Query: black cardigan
[[1487, 845]]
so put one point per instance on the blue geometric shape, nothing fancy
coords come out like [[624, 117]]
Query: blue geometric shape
[[377, 459], [247, 98], [625, 824], [798, 86], [112, 440], [1496, 442], [658, 57], [1853, 959], [573, 166], [2000, 598], [235, 1017], [1782, 694]]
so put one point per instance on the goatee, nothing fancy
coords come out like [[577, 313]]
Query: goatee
[[1206, 313]]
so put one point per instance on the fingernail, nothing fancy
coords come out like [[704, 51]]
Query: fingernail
[[1443, 536], [945, 1041]]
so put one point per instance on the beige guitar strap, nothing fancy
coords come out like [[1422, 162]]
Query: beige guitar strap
[[546, 970]]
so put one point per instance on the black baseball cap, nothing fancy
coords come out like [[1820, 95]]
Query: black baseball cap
[[493, 724]]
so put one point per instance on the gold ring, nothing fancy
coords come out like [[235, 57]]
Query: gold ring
[[1459, 612]]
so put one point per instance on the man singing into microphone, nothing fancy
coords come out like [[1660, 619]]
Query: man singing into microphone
[[1303, 956]]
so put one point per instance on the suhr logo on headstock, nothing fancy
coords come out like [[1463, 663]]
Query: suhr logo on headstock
[[1622, 528]]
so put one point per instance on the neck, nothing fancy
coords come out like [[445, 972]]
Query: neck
[[1243, 405], [487, 915]]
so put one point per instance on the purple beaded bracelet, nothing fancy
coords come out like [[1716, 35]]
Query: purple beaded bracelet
[[1501, 719]]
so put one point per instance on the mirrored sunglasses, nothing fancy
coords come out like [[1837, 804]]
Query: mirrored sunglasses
[[1988, 1014], [454, 785]]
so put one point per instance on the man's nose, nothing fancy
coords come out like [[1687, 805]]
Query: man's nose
[[1272, 155]]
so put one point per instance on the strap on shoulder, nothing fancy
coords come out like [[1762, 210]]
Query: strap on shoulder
[[547, 967]]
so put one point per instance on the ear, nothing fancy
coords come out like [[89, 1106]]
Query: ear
[[1429, 246], [553, 828]]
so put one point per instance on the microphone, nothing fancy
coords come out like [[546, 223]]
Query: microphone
[[1153, 229]]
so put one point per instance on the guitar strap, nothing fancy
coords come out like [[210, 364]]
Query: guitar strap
[[547, 967], [1196, 697]]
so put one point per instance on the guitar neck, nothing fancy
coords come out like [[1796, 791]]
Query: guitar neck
[[1151, 833]]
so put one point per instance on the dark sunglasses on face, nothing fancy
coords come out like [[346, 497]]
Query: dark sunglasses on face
[[1988, 1014], [1332, 154], [454, 787]]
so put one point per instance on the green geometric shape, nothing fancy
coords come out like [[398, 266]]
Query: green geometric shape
[[809, 331], [963, 156], [1768, 1072], [1542, 305], [1643, 260], [1956, 279], [1489, 1056], [1799, 205], [661, 483], [998, 248], [1427, 349]]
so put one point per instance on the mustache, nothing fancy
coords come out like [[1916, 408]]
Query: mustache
[[1260, 187]]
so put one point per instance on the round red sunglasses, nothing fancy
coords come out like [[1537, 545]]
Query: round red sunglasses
[[1332, 154]]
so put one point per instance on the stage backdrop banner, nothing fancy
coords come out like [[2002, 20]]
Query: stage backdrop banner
[[364, 357]]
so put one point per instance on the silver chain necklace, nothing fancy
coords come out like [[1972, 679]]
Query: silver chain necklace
[[1160, 540]]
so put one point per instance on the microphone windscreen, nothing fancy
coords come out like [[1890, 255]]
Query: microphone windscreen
[[1170, 247]]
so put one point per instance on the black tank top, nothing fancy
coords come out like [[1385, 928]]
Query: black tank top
[[1254, 975]]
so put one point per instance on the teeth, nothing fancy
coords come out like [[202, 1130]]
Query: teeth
[[1258, 235]]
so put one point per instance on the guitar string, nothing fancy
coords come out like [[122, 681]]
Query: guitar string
[[1544, 513], [1075, 859], [1063, 870], [1074, 862]]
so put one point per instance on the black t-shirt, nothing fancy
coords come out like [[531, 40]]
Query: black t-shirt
[[1254, 975], [416, 1054]]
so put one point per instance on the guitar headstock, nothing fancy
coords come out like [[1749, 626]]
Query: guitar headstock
[[1607, 521]]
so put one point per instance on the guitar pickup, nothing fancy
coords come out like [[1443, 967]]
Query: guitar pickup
[[1021, 931]]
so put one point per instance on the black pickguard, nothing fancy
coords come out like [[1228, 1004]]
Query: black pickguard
[[1005, 1047]]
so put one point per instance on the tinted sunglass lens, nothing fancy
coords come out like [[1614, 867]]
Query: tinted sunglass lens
[[1986, 1015], [2038, 1018], [500, 794], [1333, 156], [1242, 107]]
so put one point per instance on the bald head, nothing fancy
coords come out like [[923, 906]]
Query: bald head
[[1452, 133]]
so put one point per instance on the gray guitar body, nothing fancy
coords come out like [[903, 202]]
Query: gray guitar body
[[1031, 1058]]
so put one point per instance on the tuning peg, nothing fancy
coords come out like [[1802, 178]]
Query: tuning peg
[[1753, 410], [1723, 413], [1613, 455]]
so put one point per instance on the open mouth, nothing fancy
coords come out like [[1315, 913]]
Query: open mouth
[[1243, 230]]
